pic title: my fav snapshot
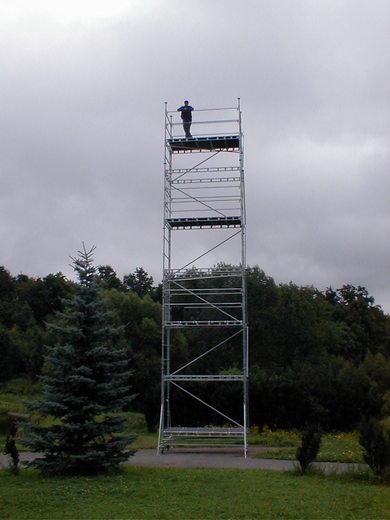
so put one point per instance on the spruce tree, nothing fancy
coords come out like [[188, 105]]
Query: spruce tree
[[85, 383]]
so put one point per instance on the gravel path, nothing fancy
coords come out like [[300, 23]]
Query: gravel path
[[204, 458]]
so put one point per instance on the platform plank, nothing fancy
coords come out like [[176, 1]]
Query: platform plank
[[202, 222], [204, 144]]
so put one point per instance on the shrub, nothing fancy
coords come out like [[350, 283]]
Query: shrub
[[310, 445], [375, 440], [10, 446]]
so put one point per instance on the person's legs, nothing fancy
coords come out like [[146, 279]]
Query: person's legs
[[187, 126]]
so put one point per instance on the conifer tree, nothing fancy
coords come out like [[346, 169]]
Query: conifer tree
[[85, 384]]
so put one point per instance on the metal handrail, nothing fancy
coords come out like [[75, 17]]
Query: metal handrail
[[209, 122], [204, 110]]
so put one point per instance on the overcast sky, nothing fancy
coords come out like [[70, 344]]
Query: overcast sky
[[83, 85]]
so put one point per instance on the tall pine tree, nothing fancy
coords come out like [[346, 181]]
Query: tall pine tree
[[85, 384]]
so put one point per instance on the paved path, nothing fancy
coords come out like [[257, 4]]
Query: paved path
[[228, 459], [203, 458]]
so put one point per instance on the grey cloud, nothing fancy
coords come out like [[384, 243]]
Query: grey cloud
[[81, 148]]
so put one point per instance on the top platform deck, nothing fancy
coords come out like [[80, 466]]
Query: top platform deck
[[205, 144]]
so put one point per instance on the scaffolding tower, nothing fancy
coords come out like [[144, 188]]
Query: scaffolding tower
[[204, 221]]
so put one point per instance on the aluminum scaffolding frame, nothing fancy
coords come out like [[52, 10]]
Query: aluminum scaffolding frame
[[208, 304]]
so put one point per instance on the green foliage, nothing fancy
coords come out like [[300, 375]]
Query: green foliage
[[86, 385], [340, 447], [283, 444], [7, 355], [375, 440], [284, 438], [311, 354], [141, 319], [108, 278], [13, 397], [139, 282], [322, 356], [25, 303], [310, 445]]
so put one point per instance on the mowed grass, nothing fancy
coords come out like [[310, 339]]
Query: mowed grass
[[190, 493]]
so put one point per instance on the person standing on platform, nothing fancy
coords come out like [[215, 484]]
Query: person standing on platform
[[186, 115]]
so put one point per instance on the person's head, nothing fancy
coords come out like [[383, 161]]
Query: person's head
[[186, 102]]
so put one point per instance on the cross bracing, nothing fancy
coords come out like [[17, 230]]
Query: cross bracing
[[191, 265], [206, 352], [206, 305]]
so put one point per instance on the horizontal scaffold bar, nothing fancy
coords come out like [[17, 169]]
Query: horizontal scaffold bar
[[214, 109], [205, 432], [205, 377], [180, 277], [214, 291], [201, 273], [208, 122], [204, 182], [204, 323], [211, 169], [194, 303]]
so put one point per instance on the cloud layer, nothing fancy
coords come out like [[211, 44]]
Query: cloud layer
[[81, 148]]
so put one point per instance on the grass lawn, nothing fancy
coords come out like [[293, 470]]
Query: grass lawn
[[190, 493]]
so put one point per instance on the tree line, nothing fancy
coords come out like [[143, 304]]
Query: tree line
[[315, 356]]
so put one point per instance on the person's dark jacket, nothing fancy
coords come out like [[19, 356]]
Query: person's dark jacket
[[186, 113]]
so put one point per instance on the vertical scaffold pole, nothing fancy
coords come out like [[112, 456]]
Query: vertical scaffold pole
[[243, 283]]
